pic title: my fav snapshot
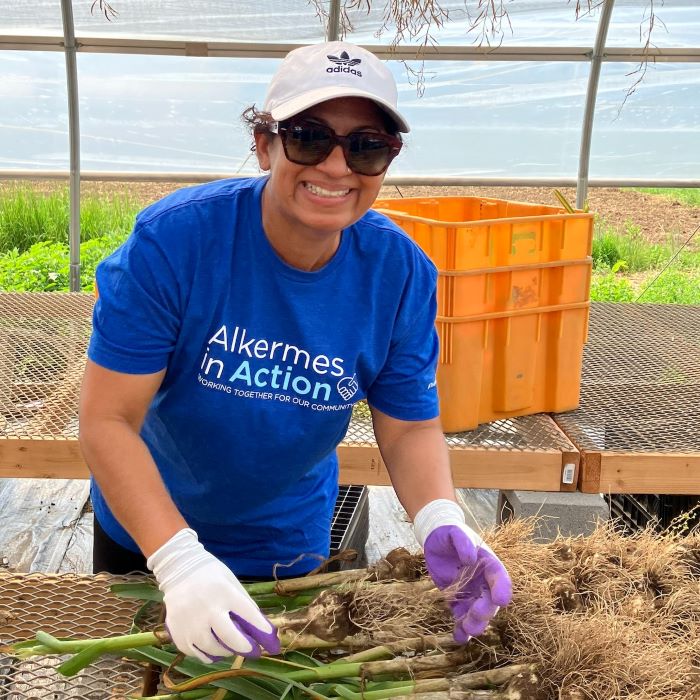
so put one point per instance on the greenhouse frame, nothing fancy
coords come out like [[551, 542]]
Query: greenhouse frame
[[333, 19]]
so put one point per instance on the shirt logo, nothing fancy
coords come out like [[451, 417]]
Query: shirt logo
[[344, 64], [348, 387]]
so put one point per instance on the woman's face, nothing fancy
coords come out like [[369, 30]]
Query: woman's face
[[328, 197]]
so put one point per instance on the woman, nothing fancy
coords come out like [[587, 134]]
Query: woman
[[233, 333]]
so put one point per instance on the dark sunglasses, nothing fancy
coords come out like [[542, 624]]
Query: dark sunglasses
[[309, 143]]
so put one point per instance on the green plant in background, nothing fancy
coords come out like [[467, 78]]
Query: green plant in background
[[610, 245], [28, 217], [606, 249], [674, 286], [688, 195], [34, 253], [45, 266], [638, 253], [612, 286]]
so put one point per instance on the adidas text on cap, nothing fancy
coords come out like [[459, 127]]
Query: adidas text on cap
[[313, 74]]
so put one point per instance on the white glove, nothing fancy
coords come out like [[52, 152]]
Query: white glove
[[208, 612], [443, 512]]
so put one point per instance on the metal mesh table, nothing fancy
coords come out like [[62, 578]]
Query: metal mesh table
[[65, 606], [43, 337], [638, 424]]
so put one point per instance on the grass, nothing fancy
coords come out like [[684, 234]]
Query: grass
[[34, 226], [34, 248], [28, 217], [689, 196], [673, 286], [610, 245], [45, 266], [628, 268]]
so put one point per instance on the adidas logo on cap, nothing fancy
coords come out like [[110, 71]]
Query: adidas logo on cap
[[344, 64], [315, 73]]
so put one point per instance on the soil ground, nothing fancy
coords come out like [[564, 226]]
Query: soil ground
[[658, 218]]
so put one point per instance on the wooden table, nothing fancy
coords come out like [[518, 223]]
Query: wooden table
[[42, 354], [638, 424]]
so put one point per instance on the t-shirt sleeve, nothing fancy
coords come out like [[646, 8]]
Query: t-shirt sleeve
[[406, 388], [136, 319]]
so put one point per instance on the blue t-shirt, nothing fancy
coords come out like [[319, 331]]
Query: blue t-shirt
[[263, 364]]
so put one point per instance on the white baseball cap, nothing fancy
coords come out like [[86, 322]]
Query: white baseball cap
[[313, 74]]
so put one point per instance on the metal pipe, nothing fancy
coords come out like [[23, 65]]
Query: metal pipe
[[404, 180], [591, 95], [333, 29], [74, 143], [236, 49]]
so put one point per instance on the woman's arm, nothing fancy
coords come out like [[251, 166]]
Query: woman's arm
[[209, 613], [112, 408], [417, 459]]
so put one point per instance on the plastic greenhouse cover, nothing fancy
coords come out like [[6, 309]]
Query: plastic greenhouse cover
[[34, 114], [187, 116], [291, 21], [658, 128], [528, 22], [27, 17], [677, 23], [499, 119], [548, 23], [474, 119]]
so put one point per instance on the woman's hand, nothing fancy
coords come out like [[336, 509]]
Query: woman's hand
[[458, 559], [209, 614]]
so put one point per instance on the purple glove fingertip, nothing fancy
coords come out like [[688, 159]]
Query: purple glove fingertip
[[267, 640], [252, 653], [471, 627], [461, 637], [472, 615], [499, 582]]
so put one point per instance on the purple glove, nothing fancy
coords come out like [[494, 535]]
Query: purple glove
[[456, 556], [484, 583]]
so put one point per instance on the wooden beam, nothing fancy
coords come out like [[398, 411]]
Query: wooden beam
[[589, 473], [362, 464], [42, 459], [641, 472], [481, 468], [477, 468], [570, 467], [359, 464]]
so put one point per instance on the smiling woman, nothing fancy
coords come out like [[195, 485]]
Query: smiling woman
[[305, 207], [214, 456], [326, 147]]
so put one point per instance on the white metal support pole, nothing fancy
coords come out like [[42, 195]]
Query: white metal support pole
[[333, 33], [589, 111], [74, 142]]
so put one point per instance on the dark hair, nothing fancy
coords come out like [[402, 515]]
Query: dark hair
[[257, 122]]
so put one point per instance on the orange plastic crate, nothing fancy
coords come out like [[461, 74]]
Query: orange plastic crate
[[513, 300]]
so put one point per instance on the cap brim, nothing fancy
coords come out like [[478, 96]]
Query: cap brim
[[289, 108]]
